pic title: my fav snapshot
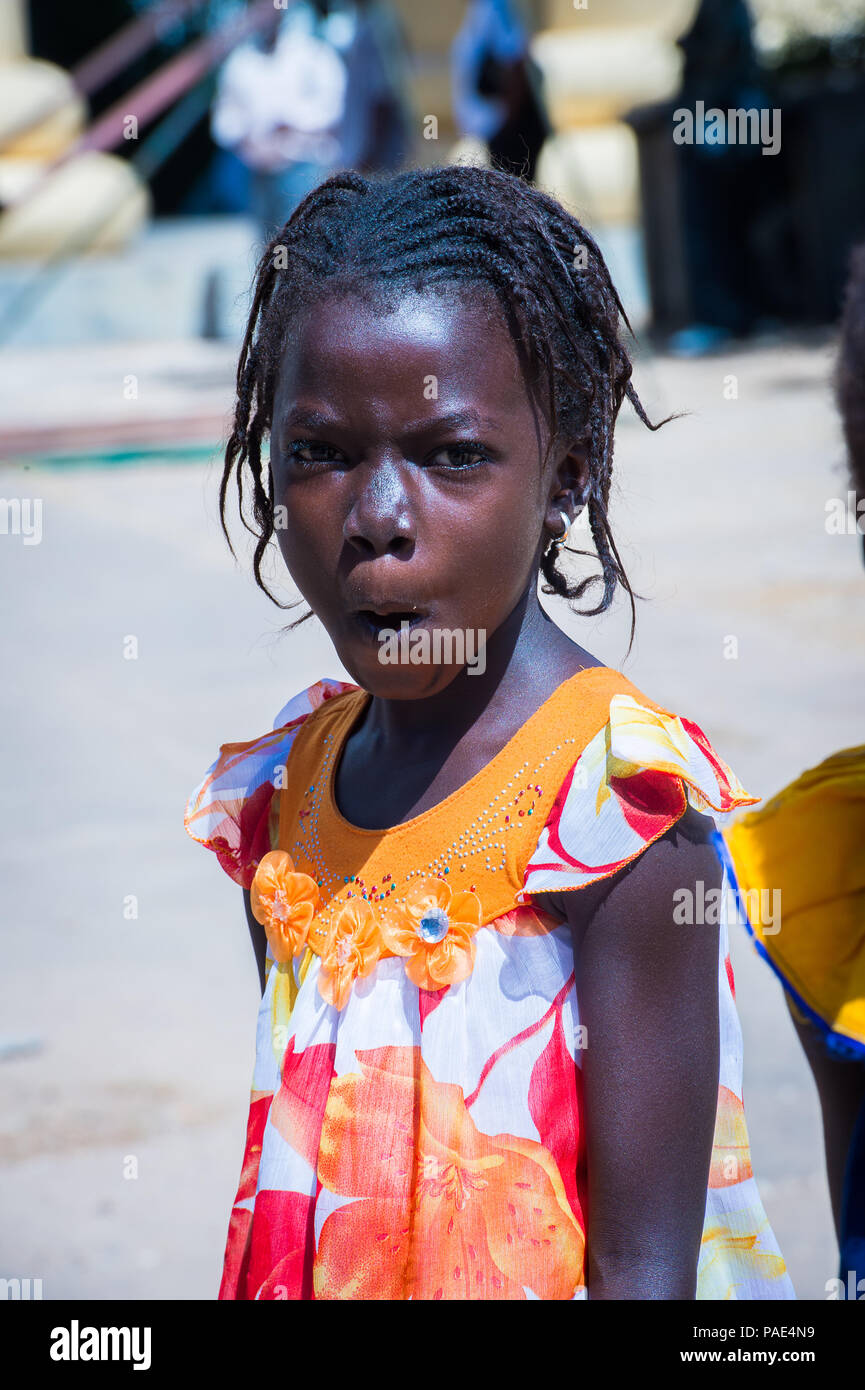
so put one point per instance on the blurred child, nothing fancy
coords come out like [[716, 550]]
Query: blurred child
[[809, 841]]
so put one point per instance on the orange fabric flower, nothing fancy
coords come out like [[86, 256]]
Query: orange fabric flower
[[434, 928], [284, 902], [443, 1210], [352, 950]]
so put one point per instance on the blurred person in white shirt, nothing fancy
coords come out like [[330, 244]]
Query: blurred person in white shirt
[[318, 96]]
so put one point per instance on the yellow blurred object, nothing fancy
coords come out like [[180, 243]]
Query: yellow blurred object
[[90, 201], [668, 18], [598, 62], [41, 114], [95, 202], [13, 30], [593, 171], [809, 842], [594, 75]]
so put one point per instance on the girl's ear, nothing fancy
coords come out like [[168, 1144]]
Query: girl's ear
[[570, 483]]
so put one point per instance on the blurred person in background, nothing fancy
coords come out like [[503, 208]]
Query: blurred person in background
[[379, 114], [496, 87], [729, 190], [809, 841], [323, 91], [278, 107]]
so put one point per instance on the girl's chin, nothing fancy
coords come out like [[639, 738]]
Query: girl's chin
[[396, 682], [407, 660], [401, 670]]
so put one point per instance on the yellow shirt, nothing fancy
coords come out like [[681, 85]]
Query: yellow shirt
[[809, 842]]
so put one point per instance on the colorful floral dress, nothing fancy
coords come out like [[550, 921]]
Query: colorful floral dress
[[416, 1126]]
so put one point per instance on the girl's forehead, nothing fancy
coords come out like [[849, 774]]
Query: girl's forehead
[[428, 317], [356, 337]]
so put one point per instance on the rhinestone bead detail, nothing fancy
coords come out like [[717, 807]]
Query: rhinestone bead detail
[[433, 927], [481, 843]]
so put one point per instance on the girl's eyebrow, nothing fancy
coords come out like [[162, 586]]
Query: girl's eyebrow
[[310, 419], [456, 420]]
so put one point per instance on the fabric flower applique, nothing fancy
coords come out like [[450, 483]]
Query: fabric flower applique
[[434, 928], [284, 902], [352, 951]]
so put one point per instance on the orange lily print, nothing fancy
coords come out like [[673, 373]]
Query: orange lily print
[[284, 902], [352, 950], [443, 1211], [731, 1152], [735, 1240], [434, 929]]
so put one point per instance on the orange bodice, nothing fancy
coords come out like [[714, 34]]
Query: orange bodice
[[479, 839]]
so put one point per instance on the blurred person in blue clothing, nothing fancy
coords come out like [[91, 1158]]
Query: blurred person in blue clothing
[[324, 91], [496, 86]]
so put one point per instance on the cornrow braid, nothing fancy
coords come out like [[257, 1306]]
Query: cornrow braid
[[450, 226]]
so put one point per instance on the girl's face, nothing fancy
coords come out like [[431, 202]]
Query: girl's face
[[407, 457]]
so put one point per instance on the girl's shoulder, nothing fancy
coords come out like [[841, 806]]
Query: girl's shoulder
[[634, 778], [232, 810]]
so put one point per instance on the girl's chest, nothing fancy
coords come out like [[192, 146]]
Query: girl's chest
[[467, 853]]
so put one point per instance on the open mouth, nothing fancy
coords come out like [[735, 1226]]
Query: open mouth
[[373, 622]]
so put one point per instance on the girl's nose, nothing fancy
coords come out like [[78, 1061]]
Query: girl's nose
[[380, 520]]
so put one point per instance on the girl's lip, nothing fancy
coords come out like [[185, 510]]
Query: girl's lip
[[387, 608], [372, 621]]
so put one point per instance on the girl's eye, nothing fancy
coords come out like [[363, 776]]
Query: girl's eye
[[309, 451], [461, 456]]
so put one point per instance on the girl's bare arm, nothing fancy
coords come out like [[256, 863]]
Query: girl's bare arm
[[257, 937], [648, 995]]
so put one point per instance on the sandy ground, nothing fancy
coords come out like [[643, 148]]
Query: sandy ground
[[123, 1124]]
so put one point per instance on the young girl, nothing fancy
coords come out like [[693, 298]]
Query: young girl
[[492, 1063]]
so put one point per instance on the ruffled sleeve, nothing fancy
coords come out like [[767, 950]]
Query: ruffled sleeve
[[630, 784], [232, 810]]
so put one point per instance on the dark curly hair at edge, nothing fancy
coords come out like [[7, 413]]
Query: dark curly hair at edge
[[850, 372], [439, 227]]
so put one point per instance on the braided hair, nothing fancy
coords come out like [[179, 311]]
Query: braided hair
[[850, 371], [453, 226]]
